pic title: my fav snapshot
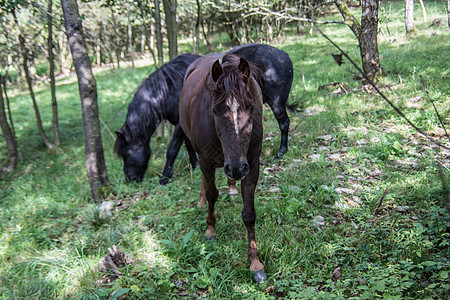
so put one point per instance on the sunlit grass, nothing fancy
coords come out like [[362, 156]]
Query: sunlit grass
[[52, 235]]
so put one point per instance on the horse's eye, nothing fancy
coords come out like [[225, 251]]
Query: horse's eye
[[252, 107], [215, 111]]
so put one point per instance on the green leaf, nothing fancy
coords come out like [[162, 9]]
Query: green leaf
[[397, 146], [120, 292], [443, 275], [202, 283], [188, 237]]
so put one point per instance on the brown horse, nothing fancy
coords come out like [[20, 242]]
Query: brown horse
[[220, 112]]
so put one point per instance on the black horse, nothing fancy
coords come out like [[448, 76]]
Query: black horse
[[276, 81], [154, 101], [133, 144]]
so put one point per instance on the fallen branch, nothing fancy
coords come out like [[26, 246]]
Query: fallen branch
[[434, 106], [333, 84], [381, 201]]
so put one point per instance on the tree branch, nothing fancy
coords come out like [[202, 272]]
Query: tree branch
[[435, 109]]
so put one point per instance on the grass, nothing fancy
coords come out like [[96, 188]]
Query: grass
[[314, 207]]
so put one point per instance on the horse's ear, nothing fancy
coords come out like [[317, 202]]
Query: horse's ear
[[244, 67], [216, 70]]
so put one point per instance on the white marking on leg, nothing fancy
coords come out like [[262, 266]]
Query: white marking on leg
[[234, 105]]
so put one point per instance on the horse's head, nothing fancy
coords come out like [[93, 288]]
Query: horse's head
[[135, 155], [236, 100]]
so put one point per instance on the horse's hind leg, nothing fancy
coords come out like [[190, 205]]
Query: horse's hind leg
[[278, 107], [192, 155], [202, 193], [172, 152]]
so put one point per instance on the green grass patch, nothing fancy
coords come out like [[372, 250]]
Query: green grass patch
[[315, 207]]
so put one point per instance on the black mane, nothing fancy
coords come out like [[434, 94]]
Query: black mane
[[148, 107]]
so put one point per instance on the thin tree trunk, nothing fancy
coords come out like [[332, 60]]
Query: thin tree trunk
[[170, 10], [24, 51], [10, 138], [117, 48], [158, 34], [95, 160], [107, 43], [51, 61], [424, 11], [8, 107], [130, 40], [409, 17], [197, 26], [208, 34], [65, 62], [368, 40], [146, 32], [159, 47]]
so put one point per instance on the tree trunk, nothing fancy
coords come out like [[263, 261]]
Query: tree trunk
[[366, 33], [116, 34], [170, 10], [65, 61], [107, 42], [24, 51], [130, 39], [10, 139], [146, 31], [424, 11], [11, 122], [95, 161], [51, 61], [158, 34], [197, 28], [368, 40], [409, 17], [208, 34], [159, 47]]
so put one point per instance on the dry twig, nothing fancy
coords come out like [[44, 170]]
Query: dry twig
[[381, 201]]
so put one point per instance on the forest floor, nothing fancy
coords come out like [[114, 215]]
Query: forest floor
[[354, 210]]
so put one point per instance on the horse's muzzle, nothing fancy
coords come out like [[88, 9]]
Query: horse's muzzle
[[236, 172]]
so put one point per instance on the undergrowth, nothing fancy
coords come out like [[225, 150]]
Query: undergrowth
[[358, 193]]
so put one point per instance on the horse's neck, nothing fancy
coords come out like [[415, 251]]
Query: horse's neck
[[142, 130]]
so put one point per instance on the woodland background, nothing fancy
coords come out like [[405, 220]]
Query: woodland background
[[357, 208]]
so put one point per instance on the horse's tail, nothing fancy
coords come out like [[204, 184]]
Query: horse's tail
[[293, 107]]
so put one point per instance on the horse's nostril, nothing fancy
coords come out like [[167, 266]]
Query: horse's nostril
[[227, 169], [244, 169]]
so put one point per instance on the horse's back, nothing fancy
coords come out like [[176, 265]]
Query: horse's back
[[275, 66], [202, 64], [191, 114]]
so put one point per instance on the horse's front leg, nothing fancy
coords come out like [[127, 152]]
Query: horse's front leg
[[172, 152], [202, 193], [211, 194], [248, 186]]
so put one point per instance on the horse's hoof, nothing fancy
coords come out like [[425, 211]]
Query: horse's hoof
[[281, 152], [164, 181], [259, 276], [210, 238]]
